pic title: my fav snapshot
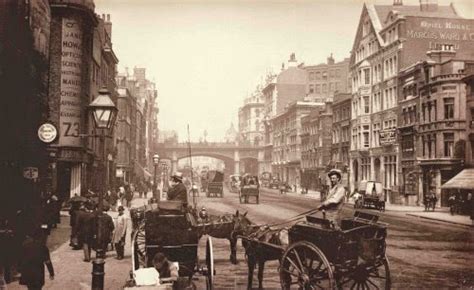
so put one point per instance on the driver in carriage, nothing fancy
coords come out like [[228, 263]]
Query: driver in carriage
[[335, 200], [178, 191]]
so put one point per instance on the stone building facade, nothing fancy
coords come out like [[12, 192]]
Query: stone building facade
[[341, 132], [287, 130], [251, 116], [24, 75], [316, 142], [325, 79], [390, 37]]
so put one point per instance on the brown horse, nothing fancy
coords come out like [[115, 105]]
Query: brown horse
[[225, 227], [262, 244]]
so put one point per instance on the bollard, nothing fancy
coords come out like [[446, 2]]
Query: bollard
[[98, 274]]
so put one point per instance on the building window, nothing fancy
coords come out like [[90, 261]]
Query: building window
[[366, 139], [449, 108], [448, 144], [325, 88], [311, 89], [367, 76], [311, 76], [318, 89], [366, 105]]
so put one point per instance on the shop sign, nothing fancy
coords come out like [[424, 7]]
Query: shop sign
[[119, 172], [47, 133], [30, 172], [387, 136], [71, 83]]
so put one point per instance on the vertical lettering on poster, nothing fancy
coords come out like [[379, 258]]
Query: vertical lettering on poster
[[71, 83]]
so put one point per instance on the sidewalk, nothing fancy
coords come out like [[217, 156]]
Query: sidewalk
[[72, 273], [440, 214]]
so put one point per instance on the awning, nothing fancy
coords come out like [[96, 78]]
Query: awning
[[464, 180]]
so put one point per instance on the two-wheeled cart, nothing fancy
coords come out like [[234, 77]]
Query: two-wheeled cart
[[320, 256], [172, 230]]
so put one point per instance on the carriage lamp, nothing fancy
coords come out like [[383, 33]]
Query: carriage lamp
[[104, 113]]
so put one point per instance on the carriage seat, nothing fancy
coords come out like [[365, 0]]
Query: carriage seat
[[170, 207]]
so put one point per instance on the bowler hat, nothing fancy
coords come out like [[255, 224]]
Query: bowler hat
[[120, 208], [177, 176], [335, 172]]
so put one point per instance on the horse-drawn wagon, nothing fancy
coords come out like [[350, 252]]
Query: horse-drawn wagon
[[316, 255], [171, 230], [250, 187], [371, 195], [215, 186]]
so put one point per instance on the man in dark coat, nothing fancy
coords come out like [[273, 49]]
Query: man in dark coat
[[35, 255], [107, 228], [178, 191], [85, 230]]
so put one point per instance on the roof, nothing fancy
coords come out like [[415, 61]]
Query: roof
[[464, 180], [414, 10]]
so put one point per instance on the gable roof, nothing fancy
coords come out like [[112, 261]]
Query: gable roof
[[414, 10]]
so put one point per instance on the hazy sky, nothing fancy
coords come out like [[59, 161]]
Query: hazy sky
[[207, 56]]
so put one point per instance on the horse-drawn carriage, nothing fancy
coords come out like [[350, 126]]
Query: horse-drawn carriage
[[215, 186], [171, 230], [371, 195], [250, 187], [319, 256]]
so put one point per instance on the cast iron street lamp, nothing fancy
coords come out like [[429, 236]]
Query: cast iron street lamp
[[156, 160], [104, 113]]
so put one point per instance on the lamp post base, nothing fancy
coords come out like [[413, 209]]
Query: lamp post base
[[98, 273]]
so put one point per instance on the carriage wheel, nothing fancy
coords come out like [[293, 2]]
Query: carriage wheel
[[373, 276], [139, 248], [209, 264], [303, 265]]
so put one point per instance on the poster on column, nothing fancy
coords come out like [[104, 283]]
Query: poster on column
[[71, 83]]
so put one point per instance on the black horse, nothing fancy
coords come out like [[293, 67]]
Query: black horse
[[261, 244]]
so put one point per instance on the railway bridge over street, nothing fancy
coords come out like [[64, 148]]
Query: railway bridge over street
[[237, 157]]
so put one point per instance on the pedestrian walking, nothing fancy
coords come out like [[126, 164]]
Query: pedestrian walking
[[113, 200], [35, 255], [120, 233], [85, 230], [107, 228]]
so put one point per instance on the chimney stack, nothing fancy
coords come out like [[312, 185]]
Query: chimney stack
[[428, 5], [330, 59], [397, 2], [292, 61], [108, 25]]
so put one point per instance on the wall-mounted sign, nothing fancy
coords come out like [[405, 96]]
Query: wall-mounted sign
[[71, 83], [47, 133], [388, 136], [30, 172]]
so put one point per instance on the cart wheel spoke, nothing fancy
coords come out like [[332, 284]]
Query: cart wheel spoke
[[290, 273], [354, 285], [298, 259], [368, 280], [293, 264]]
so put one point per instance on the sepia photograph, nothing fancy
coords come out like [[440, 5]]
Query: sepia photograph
[[236, 144]]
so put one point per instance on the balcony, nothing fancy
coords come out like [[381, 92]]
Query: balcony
[[448, 77]]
